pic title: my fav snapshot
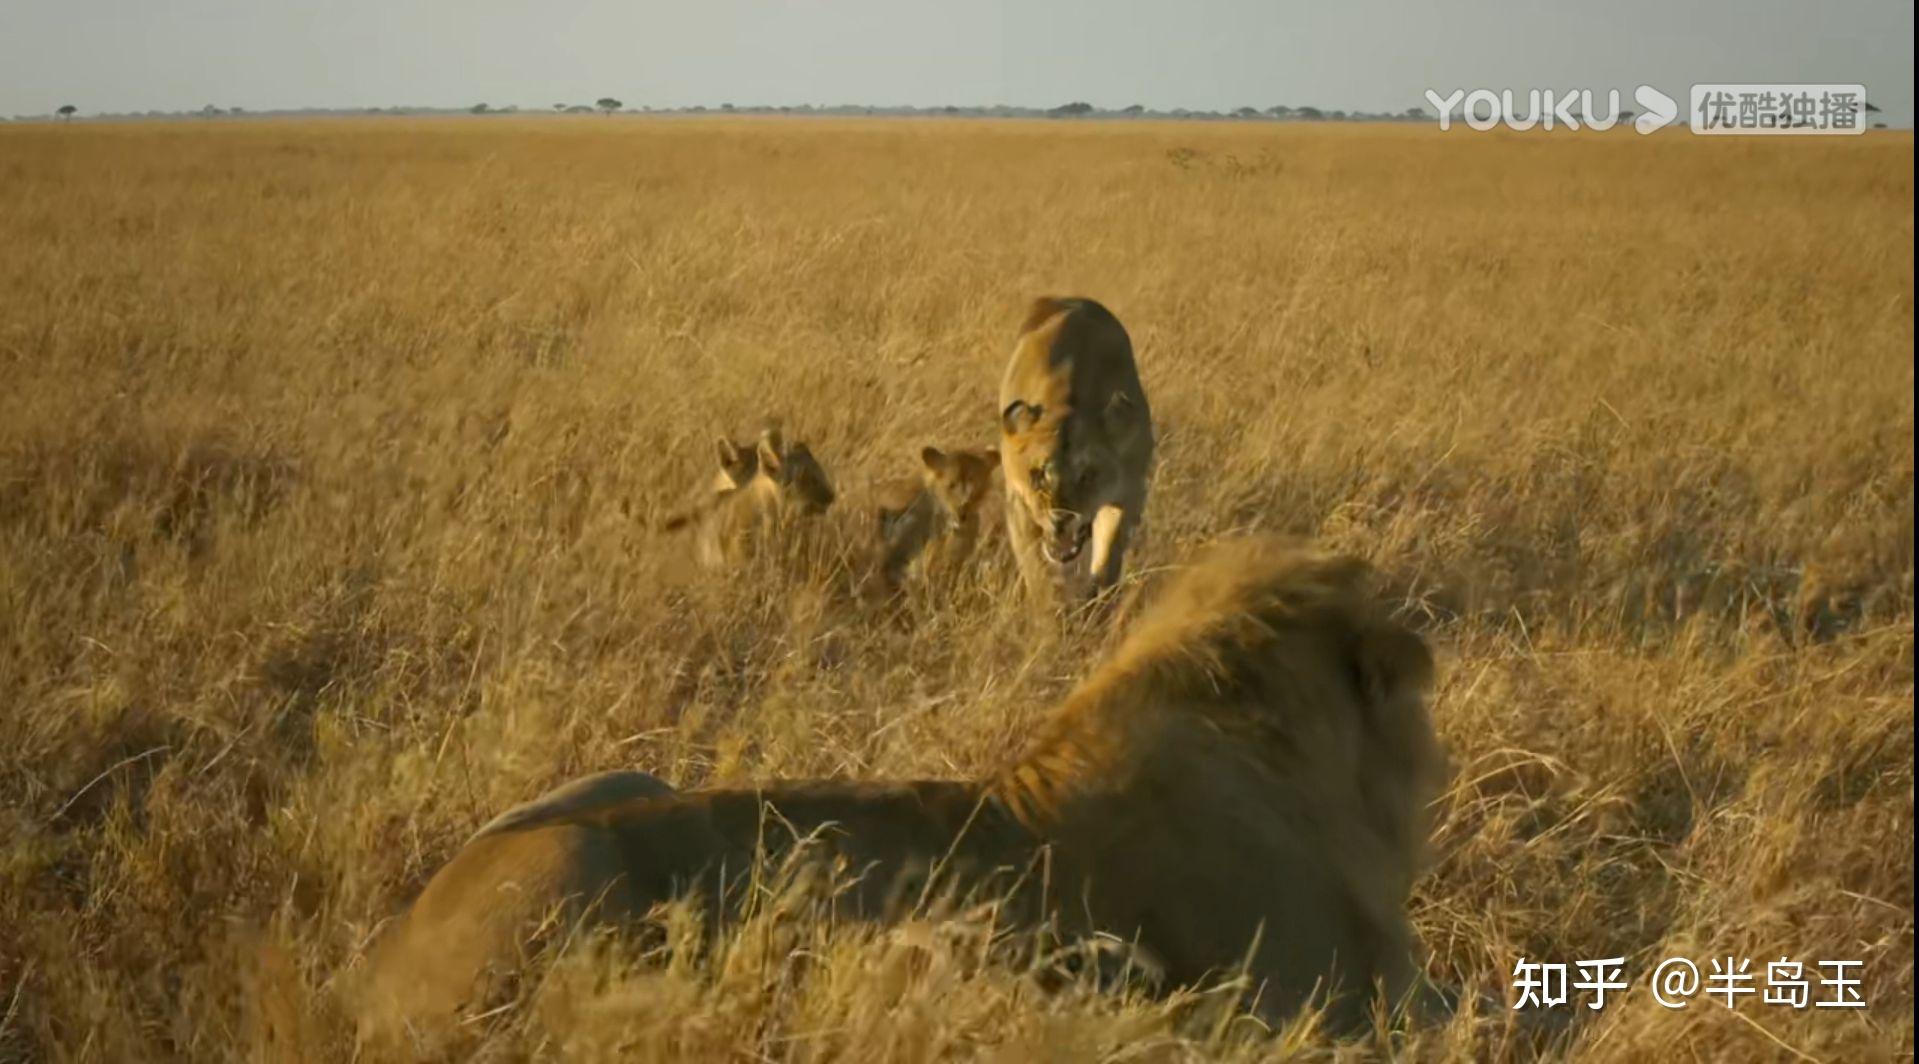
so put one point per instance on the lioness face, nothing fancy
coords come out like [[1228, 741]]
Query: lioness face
[[1062, 484], [959, 479]]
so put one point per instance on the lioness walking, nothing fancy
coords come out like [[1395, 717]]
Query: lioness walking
[[1076, 444]]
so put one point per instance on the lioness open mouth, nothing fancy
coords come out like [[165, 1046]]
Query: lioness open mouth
[[1061, 555]]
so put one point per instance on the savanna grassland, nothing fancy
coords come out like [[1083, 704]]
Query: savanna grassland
[[332, 456]]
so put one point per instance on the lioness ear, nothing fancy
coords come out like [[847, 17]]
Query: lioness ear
[[933, 458], [730, 453], [1018, 416]]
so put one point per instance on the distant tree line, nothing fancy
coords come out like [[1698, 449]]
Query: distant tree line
[[1074, 109], [1278, 112]]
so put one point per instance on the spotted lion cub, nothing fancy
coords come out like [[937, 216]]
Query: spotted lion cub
[[937, 519]]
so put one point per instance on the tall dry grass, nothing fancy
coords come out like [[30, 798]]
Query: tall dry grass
[[329, 454]]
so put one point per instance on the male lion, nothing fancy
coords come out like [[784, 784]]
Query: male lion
[[786, 481], [1245, 781], [1076, 443], [937, 517]]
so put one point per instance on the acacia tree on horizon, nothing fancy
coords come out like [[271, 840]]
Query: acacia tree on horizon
[[608, 104], [67, 111]]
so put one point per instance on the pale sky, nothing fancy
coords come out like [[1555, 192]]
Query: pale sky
[[136, 55]]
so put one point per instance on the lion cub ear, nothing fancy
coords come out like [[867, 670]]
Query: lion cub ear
[[731, 454], [934, 459], [769, 452]]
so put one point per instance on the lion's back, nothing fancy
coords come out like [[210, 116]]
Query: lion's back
[[573, 855]]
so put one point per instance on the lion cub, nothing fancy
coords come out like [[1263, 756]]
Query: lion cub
[[938, 518], [786, 481], [738, 463], [1076, 443]]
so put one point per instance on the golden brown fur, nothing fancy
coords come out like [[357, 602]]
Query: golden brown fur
[[940, 519], [1076, 444], [577, 797], [1245, 780], [1260, 745], [738, 463], [785, 481]]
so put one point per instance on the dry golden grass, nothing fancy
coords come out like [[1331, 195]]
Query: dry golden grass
[[330, 452]]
